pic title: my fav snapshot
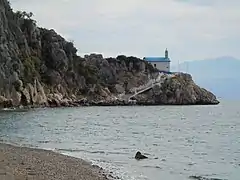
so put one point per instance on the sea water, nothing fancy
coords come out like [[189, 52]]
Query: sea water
[[180, 141]]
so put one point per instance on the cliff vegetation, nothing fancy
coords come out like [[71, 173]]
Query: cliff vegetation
[[38, 67]]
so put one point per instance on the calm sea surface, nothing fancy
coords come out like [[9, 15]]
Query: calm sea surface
[[180, 141]]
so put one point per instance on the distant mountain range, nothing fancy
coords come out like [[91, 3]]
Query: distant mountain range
[[220, 75]]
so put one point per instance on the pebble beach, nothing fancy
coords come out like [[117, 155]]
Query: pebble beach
[[22, 163]]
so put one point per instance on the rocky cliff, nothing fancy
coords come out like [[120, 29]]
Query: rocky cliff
[[38, 67], [176, 89]]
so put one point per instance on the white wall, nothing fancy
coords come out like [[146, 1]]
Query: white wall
[[162, 66]]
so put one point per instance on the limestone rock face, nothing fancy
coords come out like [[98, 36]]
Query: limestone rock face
[[178, 90], [38, 67], [5, 103]]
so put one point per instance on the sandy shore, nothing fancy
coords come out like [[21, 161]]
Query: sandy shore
[[21, 163]]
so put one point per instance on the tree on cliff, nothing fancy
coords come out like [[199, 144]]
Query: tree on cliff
[[24, 14]]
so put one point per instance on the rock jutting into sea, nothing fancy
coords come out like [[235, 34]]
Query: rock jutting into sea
[[38, 67]]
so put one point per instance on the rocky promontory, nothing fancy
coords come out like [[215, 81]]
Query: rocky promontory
[[38, 67]]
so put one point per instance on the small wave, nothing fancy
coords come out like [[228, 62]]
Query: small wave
[[116, 171], [43, 142], [7, 109], [155, 167], [204, 178], [68, 150], [91, 152], [40, 125], [117, 153], [25, 109], [135, 132], [96, 152], [80, 150], [201, 153], [191, 163]]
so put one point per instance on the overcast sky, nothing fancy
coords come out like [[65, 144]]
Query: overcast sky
[[190, 29]]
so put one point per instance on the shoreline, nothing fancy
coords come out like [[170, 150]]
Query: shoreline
[[23, 108], [99, 104], [21, 163]]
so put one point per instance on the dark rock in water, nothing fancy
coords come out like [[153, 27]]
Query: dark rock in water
[[139, 156], [204, 178]]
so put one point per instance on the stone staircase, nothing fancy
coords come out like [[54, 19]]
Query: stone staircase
[[143, 88]]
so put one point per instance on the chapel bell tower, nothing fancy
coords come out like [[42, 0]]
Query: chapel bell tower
[[166, 53]]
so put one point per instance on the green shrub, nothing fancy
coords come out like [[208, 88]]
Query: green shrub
[[89, 72], [31, 69]]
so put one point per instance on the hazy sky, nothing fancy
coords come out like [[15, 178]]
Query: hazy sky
[[190, 29]]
